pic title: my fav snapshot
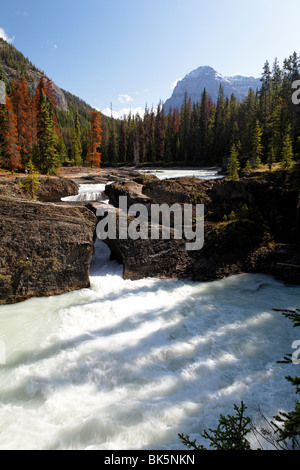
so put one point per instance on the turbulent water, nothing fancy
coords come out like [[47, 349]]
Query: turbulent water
[[200, 173], [89, 192], [130, 364]]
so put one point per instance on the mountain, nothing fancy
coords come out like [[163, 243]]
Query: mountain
[[14, 65], [206, 77]]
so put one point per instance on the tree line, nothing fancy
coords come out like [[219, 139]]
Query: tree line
[[257, 128], [262, 128]]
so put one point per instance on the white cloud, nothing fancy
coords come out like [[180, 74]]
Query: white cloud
[[4, 36], [21, 13], [50, 44], [146, 90], [124, 98], [175, 83], [123, 112]]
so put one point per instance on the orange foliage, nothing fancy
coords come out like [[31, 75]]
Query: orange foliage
[[25, 115], [11, 158], [93, 153]]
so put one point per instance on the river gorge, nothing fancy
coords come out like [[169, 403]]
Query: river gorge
[[128, 364]]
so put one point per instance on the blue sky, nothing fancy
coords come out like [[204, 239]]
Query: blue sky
[[130, 52]]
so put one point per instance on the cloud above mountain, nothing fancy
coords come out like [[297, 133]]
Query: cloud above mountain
[[5, 36], [125, 98]]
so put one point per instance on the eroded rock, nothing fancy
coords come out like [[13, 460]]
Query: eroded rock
[[44, 249]]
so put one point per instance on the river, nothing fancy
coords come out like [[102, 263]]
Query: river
[[130, 364]]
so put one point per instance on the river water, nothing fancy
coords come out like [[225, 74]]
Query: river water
[[130, 364]]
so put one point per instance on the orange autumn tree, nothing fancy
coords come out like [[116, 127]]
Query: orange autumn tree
[[10, 148], [95, 139], [23, 109]]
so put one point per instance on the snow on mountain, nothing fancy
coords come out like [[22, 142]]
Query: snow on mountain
[[206, 77]]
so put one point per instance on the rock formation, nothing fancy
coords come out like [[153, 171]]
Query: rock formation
[[45, 248], [251, 225]]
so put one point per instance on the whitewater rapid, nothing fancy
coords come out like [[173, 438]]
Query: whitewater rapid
[[130, 364]]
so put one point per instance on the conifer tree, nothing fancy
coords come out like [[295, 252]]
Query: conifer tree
[[257, 149], [31, 183], [22, 107], [95, 138], [47, 138], [10, 148], [287, 155], [112, 143], [76, 147], [233, 164], [271, 158]]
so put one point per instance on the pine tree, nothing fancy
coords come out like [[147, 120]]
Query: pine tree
[[76, 144], [233, 164], [257, 149], [276, 128], [265, 103], [11, 157], [22, 107], [271, 159], [287, 156], [248, 166], [95, 138], [47, 138], [112, 143], [219, 131], [62, 150], [31, 183]]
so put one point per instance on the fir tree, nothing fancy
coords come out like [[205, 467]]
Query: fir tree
[[257, 149], [31, 183], [76, 147], [271, 159], [22, 107], [11, 157], [47, 138], [287, 155], [233, 164], [95, 138]]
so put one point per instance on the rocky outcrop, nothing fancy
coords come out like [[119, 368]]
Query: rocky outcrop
[[51, 189], [251, 225], [45, 249]]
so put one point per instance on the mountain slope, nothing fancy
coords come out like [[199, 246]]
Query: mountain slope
[[206, 77], [14, 65]]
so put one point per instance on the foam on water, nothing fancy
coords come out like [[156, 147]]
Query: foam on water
[[89, 192], [200, 173], [130, 364]]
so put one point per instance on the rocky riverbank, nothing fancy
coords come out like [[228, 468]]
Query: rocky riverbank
[[45, 249], [251, 225], [46, 246]]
